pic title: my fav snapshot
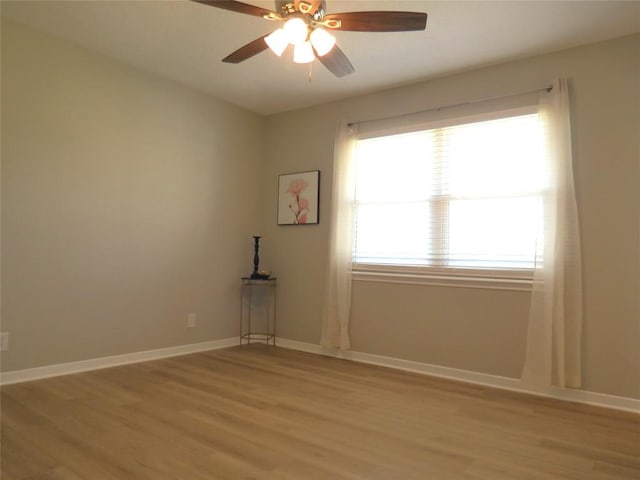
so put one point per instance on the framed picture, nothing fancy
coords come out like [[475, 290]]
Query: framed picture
[[298, 198]]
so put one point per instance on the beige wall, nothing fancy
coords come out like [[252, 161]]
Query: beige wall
[[127, 203], [484, 330]]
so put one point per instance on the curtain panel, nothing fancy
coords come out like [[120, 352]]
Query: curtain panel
[[337, 295], [553, 355]]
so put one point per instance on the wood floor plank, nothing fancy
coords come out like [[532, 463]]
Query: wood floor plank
[[258, 412]]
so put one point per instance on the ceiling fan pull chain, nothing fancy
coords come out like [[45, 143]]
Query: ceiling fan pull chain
[[310, 70]]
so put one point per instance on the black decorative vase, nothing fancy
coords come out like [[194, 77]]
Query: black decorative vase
[[256, 258]]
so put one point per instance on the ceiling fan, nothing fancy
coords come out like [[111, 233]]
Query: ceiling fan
[[306, 26]]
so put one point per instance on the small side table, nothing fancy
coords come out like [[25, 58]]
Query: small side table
[[258, 310]]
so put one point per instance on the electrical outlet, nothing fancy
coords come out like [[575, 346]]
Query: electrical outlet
[[191, 320], [4, 341]]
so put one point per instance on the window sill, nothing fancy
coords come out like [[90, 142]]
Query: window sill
[[498, 279]]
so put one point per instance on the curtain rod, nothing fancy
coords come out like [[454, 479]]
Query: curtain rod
[[548, 88]]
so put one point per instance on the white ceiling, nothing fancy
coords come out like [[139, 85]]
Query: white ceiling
[[185, 41]]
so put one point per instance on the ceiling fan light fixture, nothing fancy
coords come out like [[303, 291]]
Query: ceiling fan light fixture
[[296, 30], [278, 41], [303, 53], [322, 41]]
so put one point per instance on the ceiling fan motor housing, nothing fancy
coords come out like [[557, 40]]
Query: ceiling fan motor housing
[[314, 8]]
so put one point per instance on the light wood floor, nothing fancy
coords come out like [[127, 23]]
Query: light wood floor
[[268, 413]]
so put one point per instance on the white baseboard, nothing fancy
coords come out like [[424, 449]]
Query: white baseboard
[[504, 383], [28, 374]]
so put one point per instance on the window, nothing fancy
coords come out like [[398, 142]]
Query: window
[[463, 195]]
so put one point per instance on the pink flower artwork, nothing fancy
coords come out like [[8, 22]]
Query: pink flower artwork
[[298, 198], [299, 205], [296, 186]]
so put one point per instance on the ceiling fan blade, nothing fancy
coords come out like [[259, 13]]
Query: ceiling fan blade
[[248, 51], [237, 7], [337, 62], [379, 21]]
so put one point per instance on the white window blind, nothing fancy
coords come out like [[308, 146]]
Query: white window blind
[[466, 195]]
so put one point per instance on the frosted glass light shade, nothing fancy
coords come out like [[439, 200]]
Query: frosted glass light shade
[[277, 41], [322, 41], [303, 53], [296, 30]]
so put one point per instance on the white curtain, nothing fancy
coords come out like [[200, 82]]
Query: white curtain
[[553, 355], [337, 296]]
